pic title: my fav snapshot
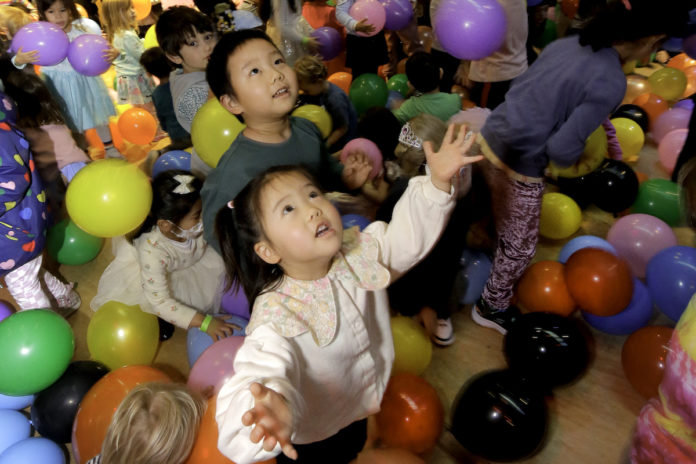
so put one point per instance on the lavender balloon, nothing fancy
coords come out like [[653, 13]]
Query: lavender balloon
[[86, 54], [48, 39], [673, 119], [330, 42], [399, 14], [215, 365], [470, 29]]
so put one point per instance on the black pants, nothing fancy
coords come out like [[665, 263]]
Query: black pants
[[689, 150], [337, 449], [489, 94]]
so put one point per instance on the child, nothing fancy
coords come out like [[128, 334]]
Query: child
[[132, 84], [311, 76], [155, 62], [169, 270], [363, 54], [424, 76], [318, 351], [548, 113], [250, 77]]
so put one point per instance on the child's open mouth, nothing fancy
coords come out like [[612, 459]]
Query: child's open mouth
[[322, 230], [282, 92]]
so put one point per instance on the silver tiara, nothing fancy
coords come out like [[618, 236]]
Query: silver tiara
[[408, 137]]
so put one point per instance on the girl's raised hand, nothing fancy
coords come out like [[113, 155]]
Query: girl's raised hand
[[271, 418], [447, 162], [26, 57], [110, 54]]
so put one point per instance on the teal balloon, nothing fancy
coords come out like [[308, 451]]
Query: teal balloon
[[660, 198], [367, 91], [35, 349], [398, 82], [68, 244]]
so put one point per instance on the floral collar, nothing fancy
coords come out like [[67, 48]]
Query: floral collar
[[298, 306]]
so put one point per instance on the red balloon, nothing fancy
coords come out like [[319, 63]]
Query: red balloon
[[412, 416], [542, 288], [599, 282], [643, 358]]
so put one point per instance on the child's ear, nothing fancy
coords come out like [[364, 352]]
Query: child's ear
[[231, 104], [176, 59], [264, 250], [164, 226]]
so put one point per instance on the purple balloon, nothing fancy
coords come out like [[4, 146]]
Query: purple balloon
[[671, 279], [672, 119], [470, 29], [399, 14], [689, 46], [236, 303], [6, 310], [86, 54], [215, 365], [48, 39], [330, 42], [636, 315], [687, 104]]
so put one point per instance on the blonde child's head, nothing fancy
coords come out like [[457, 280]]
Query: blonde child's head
[[11, 20], [117, 15], [155, 423], [410, 156], [311, 74]]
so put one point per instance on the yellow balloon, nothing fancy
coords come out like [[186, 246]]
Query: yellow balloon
[[120, 109], [669, 83], [592, 156], [560, 216], [119, 335], [317, 115], [412, 348], [150, 38], [109, 197], [213, 130], [629, 66], [630, 136]]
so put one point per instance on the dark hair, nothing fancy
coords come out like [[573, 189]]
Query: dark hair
[[217, 73], [168, 205], [35, 104], [614, 23], [177, 25], [154, 62], [43, 5], [266, 9], [687, 179], [423, 72], [239, 229], [379, 125]]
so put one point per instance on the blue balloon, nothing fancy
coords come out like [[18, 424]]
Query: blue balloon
[[197, 341], [177, 159], [636, 315], [14, 427], [584, 241], [671, 279], [476, 267], [352, 220], [15, 402], [38, 450]]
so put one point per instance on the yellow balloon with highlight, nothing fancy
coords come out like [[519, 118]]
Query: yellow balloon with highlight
[[318, 116], [669, 83], [412, 347], [560, 216], [596, 150], [150, 40], [213, 130], [630, 137]]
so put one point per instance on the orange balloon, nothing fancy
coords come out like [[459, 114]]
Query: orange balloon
[[690, 73], [135, 153], [635, 85], [137, 126], [412, 416], [99, 405], [142, 8], [81, 10], [341, 79], [542, 288], [681, 61], [570, 7], [425, 34], [643, 358], [599, 282], [653, 104]]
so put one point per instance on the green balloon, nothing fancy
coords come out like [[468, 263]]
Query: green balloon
[[68, 244], [398, 82], [660, 198], [367, 91], [36, 347], [549, 34]]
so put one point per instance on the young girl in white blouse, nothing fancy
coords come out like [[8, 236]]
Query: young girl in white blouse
[[169, 269], [318, 352]]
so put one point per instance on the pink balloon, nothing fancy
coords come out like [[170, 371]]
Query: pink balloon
[[639, 237], [673, 119], [166, 4], [670, 147], [371, 10], [215, 365], [369, 148]]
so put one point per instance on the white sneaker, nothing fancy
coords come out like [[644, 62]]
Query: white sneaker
[[68, 304], [444, 333]]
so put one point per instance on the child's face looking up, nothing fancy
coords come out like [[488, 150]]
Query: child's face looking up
[[59, 15], [195, 53]]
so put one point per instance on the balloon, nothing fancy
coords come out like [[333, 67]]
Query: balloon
[[542, 288], [6, 310], [592, 156], [36, 347], [68, 244], [560, 216], [330, 42], [569, 7], [342, 80], [660, 198], [399, 14], [411, 415], [135, 153], [673, 44], [671, 279], [599, 282], [630, 136], [615, 186], [215, 365], [369, 148], [198, 341], [426, 37], [388, 456], [368, 90], [635, 113], [170, 161], [88, 25], [352, 220], [120, 335], [86, 54], [499, 417], [109, 197], [318, 116], [150, 40], [100, 403], [643, 358], [81, 10], [412, 347], [372, 11], [470, 30], [636, 315], [653, 104], [213, 130], [15, 402], [629, 66], [37, 450], [580, 189], [476, 268], [670, 120], [235, 302], [687, 104], [669, 83], [14, 427], [55, 408], [205, 450], [393, 99], [399, 82], [142, 8], [48, 39], [635, 86], [689, 45], [584, 241], [670, 147], [137, 126]]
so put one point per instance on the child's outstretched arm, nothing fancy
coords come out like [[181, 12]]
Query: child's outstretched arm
[[271, 418]]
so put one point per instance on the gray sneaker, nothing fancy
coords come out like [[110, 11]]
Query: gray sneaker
[[497, 319]]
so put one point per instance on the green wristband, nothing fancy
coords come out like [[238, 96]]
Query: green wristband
[[206, 323]]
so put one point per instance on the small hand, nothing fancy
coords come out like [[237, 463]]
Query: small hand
[[357, 169], [26, 57], [447, 162], [219, 329], [271, 418], [364, 27], [110, 54]]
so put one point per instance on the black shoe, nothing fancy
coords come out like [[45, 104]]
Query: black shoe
[[498, 319], [166, 329]]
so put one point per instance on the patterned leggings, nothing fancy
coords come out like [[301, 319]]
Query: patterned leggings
[[25, 285], [516, 210]]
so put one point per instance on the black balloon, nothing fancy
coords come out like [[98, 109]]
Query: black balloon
[[499, 417], [54, 408], [634, 113], [546, 349], [579, 189], [615, 186]]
